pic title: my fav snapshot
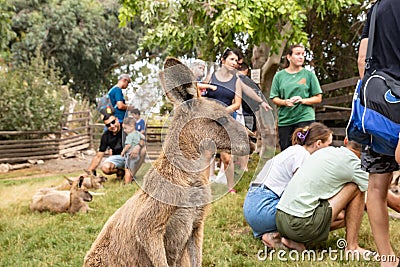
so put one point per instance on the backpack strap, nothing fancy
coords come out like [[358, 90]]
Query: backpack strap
[[371, 36]]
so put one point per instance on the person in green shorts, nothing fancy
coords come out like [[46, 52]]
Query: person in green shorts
[[326, 193], [294, 91]]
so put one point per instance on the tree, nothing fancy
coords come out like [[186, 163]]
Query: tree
[[6, 32], [263, 27], [203, 28], [334, 43], [82, 37]]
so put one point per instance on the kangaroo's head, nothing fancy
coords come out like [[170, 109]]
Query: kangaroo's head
[[200, 126], [79, 191]]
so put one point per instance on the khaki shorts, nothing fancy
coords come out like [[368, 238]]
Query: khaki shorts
[[314, 228]]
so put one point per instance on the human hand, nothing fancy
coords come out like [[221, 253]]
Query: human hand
[[289, 103], [296, 99], [266, 106], [135, 152]]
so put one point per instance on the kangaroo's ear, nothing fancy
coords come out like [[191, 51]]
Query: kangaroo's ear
[[178, 81], [80, 181], [69, 180]]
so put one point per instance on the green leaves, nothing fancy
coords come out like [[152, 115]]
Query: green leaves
[[30, 97], [6, 32], [196, 23]]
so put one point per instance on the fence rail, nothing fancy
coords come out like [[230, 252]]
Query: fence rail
[[20, 146], [335, 108]]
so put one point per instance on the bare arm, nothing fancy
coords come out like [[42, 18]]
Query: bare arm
[[126, 148], [122, 106], [393, 201], [136, 149], [206, 86], [311, 100], [282, 102], [95, 161], [253, 95], [237, 101], [362, 55]]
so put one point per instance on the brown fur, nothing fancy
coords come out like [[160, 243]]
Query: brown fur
[[162, 224], [90, 181], [72, 201]]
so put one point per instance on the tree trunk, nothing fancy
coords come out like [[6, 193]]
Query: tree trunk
[[268, 65]]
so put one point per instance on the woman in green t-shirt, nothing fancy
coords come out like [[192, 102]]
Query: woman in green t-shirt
[[294, 90]]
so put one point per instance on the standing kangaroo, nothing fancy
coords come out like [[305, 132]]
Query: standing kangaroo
[[162, 224]]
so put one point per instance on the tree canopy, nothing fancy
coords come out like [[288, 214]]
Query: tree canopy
[[82, 37], [261, 28], [205, 27]]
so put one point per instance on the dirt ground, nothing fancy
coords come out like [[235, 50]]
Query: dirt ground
[[66, 165], [53, 166]]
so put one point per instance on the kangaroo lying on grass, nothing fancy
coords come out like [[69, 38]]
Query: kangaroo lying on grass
[[90, 181], [72, 201], [162, 224]]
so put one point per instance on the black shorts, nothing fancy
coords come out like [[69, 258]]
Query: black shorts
[[373, 162]]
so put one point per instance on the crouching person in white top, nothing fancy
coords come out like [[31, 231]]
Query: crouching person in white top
[[265, 191], [325, 194]]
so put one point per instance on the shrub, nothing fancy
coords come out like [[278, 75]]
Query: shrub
[[30, 97]]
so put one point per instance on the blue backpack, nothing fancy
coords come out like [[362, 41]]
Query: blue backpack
[[375, 116]]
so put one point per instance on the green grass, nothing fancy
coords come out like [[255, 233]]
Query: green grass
[[46, 239]]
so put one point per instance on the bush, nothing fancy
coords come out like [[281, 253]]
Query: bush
[[30, 97]]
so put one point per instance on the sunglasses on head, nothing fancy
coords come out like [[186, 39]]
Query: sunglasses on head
[[111, 123]]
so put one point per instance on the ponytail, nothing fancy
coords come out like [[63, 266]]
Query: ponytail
[[310, 134]]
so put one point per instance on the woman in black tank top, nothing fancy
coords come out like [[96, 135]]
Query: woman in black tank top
[[229, 94]]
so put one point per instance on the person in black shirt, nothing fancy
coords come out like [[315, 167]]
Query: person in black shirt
[[112, 138], [386, 57]]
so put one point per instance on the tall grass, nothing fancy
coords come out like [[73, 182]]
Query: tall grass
[[46, 239]]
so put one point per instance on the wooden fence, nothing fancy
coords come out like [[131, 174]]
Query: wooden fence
[[75, 135], [335, 108]]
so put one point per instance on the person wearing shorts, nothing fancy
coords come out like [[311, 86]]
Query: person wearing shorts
[[259, 207], [112, 138], [132, 139], [380, 167], [326, 193]]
